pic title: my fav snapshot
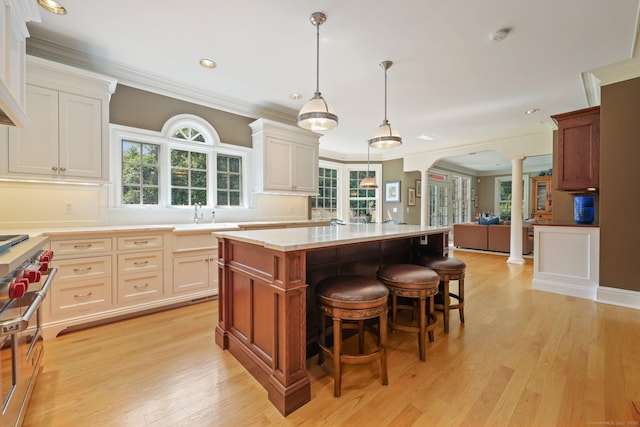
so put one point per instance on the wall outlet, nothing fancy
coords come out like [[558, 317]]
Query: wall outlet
[[395, 209]]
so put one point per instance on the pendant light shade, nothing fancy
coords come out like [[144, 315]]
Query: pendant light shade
[[385, 136], [368, 182], [317, 114]]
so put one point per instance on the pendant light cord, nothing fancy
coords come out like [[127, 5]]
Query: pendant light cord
[[317, 58], [385, 94]]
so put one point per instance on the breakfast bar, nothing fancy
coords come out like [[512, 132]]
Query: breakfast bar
[[267, 313]]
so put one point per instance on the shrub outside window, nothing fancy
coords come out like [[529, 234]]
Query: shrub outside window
[[140, 171]]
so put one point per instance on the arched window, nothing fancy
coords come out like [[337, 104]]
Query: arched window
[[182, 165]]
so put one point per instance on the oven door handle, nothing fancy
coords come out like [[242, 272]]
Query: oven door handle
[[45, 288], [19, 324], [26, 317]]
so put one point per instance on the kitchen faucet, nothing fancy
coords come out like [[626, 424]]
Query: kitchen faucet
[[197, 216]]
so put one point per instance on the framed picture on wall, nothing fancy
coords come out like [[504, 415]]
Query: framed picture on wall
[[418, 188], [411, 196], [392, 192]]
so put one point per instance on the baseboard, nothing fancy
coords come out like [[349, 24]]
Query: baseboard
[[579, 291], [621, 297], [602, 294]]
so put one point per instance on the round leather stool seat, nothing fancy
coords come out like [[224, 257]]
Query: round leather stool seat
[[351, 298], [412, 282], [444, 264], [448, 268], [347, 290]]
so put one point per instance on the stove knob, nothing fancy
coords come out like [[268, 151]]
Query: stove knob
[[44, 266], [46, 256], [32, 275], [18, 288]]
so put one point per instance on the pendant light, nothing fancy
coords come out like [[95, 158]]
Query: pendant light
[[368, 182], [386, 136], [317, 114]]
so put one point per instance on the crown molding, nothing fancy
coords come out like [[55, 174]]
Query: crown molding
[[139, 79]]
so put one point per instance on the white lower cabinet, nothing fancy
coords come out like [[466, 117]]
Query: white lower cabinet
[[195, 272], [83, 284]]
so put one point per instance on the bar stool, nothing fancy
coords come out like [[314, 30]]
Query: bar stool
[[448, 268], [412, 282], [348, 298]]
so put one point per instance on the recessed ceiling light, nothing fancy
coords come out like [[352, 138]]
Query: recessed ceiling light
[[499, 35], [208, 63], [532, 111], [53, 7], [295, 96]]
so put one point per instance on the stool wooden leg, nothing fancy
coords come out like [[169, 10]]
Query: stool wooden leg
[[361, 336], [445, 304], [461, 299], [430, 318], [323, 338], [383, 348], [422, 328], [337, 350]]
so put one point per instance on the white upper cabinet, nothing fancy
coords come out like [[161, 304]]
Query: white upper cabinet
[[68, 138], [286, 158], [14, 15]]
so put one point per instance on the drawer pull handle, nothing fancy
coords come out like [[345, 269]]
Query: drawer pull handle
[[88, 245], [140, 242], [139, 286], [86, 294], [140, 262], [82, 269]]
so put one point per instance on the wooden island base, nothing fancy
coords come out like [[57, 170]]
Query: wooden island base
[[268, 317]]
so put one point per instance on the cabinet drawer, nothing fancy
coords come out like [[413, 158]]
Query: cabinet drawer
[[84, 296], [137, 262], [82, 268], [139, 286], [82, 247], [139, 242]]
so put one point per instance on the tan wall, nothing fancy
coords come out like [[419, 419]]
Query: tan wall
[[412, 213], [146, 110], [619, 179], [486, 194], [392, 170]]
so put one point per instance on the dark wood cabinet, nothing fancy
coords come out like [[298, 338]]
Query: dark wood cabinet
[[578, 168]]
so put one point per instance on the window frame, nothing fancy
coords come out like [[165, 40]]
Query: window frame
[[212, 147], [525, 195]]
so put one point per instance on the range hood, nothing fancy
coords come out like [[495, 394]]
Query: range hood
[[11, 113]]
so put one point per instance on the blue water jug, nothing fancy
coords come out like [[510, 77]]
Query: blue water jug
[[583, 209]]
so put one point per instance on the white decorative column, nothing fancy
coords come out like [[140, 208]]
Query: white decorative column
[[515, 256], [424, 198]]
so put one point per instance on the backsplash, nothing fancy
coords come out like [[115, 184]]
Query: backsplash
[[32, 205]]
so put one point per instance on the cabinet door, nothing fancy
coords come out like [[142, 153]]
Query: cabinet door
[[34, 150], [80, 136], [278, 155], [579, 151], [194, 272], [305, 167]]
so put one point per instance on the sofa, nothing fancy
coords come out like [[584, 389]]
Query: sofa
[[493, 237]]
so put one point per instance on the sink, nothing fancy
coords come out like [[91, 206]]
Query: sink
[[207, 226]]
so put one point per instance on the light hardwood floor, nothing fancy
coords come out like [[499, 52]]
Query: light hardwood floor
[[523, 358]]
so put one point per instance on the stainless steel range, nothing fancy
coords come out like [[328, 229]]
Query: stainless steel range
[[25, 278]]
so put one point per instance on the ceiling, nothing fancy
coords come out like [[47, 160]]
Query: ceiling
[[449, 80]]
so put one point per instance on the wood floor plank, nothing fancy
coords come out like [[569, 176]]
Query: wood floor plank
[[523, 358]]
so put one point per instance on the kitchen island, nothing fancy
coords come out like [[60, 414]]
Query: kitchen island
[[267, 312]]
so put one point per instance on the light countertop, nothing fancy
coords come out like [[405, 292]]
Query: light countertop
[[316, 237], [183, 228]]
